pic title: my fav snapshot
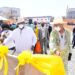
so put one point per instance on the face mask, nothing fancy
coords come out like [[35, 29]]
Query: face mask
[[57, 28], [21, 26]]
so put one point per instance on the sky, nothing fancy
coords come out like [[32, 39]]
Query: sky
[[54, 8]]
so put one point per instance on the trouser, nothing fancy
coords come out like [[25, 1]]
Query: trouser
[[64, 56], [73, 45], [65, 61], [44, 45]]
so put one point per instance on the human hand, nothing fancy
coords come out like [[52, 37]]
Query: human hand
[[57, 53]]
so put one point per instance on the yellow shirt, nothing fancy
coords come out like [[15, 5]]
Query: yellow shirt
[[36, 31]]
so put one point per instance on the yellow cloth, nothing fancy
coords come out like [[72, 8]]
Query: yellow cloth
[[36, 30], [3, 53], [47, 64]]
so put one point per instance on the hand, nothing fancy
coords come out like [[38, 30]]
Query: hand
[[57, 53], [3, 44], [69, 57], [32, 48]]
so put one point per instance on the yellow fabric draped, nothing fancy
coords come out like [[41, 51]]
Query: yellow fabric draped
[[3, 53], [47, 64]]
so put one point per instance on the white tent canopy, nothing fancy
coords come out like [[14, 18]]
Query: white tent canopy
[[3, 18]]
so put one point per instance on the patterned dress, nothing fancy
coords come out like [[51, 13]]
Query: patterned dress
[[54, 44]]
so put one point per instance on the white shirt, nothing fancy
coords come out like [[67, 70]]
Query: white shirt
[[24, 39], [43, 32], [62, 41], [7, 33]]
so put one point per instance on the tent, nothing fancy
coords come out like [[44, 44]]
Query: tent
[[3, 18]]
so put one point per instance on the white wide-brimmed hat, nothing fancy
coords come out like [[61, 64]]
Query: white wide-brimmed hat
[[20, 20], [58, 21]]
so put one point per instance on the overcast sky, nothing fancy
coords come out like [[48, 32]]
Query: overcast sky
[[40, 7]]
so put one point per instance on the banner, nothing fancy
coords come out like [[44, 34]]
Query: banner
[[47, 64]]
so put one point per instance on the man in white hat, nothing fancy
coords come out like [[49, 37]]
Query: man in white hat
[[23, 37], [60, 41]]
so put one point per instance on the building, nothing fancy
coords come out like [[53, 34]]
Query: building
[[10, 12], [70, 13], [39, 19]]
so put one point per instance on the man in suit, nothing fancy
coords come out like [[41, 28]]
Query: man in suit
[[43, 37]]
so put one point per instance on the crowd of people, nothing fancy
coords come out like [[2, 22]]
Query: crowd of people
[[29, 36], [41, 35]]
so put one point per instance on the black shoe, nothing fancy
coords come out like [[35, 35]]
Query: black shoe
[[45, 52]]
